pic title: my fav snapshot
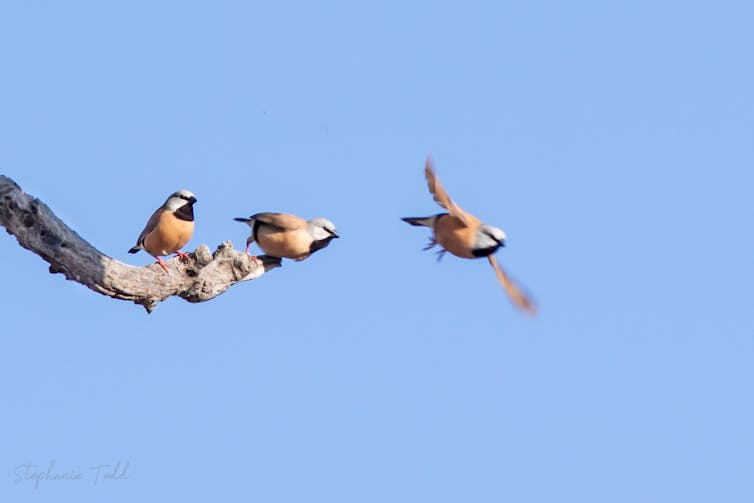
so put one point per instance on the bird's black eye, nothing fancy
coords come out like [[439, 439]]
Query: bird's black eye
[[492, 237]]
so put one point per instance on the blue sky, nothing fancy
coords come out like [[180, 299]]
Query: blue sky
[[611, 140]]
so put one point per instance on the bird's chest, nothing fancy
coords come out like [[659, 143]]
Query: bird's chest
[[169, 236], [293, 244], [455, 237]]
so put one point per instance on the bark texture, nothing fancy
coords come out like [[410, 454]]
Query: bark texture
[[202, 277]]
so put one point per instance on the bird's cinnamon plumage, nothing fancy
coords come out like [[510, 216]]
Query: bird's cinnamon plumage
[[464, 235], [288, 236], [169, 228]]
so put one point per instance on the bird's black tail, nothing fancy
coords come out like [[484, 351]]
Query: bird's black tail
[[240, 219], [418, 221], [134, 250]]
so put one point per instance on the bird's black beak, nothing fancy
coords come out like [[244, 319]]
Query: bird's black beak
[[501, 243], [192, 199], [334, 234]]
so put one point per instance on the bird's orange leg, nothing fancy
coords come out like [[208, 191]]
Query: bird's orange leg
[[184, 256], [162, 264], [431, 243]]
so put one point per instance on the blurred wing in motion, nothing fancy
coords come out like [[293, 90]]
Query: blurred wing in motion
[[514, 292], [441, 197]]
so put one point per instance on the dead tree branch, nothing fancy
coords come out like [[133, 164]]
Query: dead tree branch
[[203, 277]]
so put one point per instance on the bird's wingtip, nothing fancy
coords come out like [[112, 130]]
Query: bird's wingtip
[[428, 165]]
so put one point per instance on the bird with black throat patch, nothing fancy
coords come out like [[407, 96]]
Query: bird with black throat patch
[[169, 228], [287, 236], [465, 236]]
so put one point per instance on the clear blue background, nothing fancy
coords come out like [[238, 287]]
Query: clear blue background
[[611, 140]]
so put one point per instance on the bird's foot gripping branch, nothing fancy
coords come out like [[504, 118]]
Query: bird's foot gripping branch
[[203, 277]]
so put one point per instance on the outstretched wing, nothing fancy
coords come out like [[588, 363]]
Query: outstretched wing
[[282, 221], [441, 197], [514, 292]]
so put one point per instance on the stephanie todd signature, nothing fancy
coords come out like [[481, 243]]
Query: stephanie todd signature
[[36, 475]]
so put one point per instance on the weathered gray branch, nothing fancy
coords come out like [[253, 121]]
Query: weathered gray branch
[[203, 277]]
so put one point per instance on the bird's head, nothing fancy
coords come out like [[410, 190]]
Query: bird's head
[[488, 239], [322, 228], [180, 198]]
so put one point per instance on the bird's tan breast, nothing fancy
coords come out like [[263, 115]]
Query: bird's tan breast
[[454, 236], [293, 244], [169, 235]]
